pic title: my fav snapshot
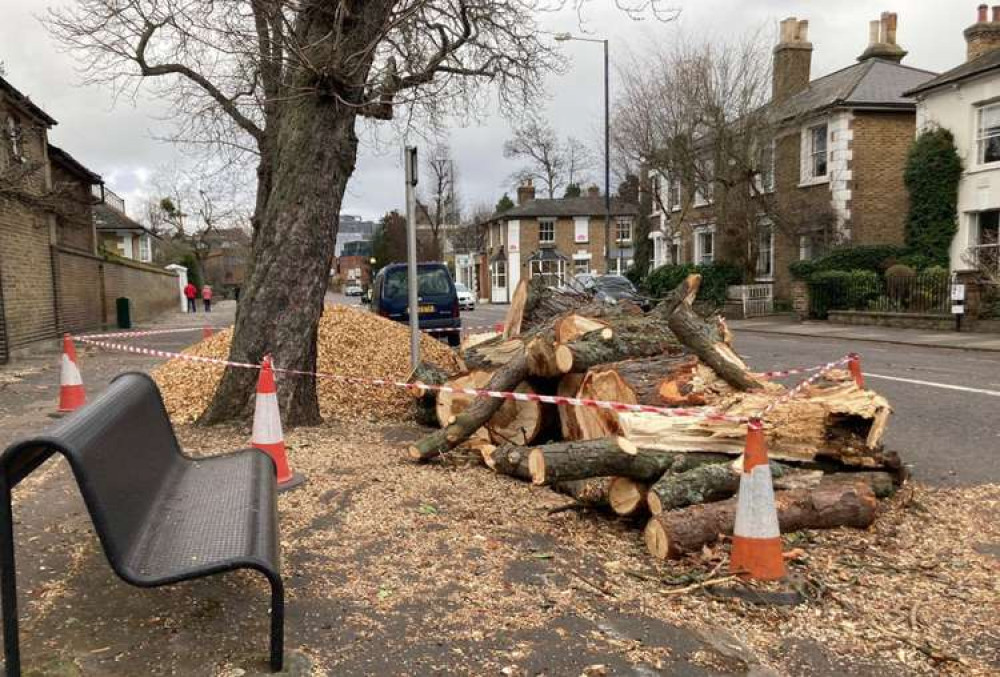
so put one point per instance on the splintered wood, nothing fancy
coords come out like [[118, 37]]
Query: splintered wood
[[352, 342]]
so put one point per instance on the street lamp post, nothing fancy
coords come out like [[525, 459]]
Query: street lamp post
[[565, 37]]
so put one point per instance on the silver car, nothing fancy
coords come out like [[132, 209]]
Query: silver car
[[466, 299]]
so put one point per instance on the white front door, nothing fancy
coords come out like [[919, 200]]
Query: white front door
[[498, 282]]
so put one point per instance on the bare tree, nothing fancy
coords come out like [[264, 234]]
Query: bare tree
[[536, 143], [287, 81], [439, 207], [700, 114], [579, 161]]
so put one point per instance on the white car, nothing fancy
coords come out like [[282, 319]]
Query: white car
[[466, 299], [352, 289]]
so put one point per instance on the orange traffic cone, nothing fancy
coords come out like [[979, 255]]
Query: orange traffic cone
[[267, 435], [71, 393], [756, 551], [206, 332], [854, 366]]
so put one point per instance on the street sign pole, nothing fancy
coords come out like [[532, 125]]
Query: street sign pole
[[410, 161]]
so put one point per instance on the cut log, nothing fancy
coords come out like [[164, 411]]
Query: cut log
[[836, 420], [569, 386], [668, 380], [517, 422], [573, 326], [515, 312], [613, 456], [592, 493], [426, 400], [627, 497], [449, 405], [703, 338], [674, 533], [632, 337], [594, 422], [540, 352], [492, 354], [509, 459], [506, 378], [704, 484]]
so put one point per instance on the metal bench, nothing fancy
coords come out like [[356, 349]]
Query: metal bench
[[161, 517]]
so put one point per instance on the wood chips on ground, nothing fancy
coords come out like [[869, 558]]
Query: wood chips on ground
[[352, 342]]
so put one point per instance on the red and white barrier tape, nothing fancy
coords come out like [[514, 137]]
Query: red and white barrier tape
[[706, 413], [781, 373], [149, 332], [793, 392]]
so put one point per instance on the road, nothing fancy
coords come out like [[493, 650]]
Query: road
[[946, 424]]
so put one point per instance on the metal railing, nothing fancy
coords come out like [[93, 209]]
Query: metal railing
[[920, 293], [757, 299]]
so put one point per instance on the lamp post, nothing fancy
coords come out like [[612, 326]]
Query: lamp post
[[565, 37]]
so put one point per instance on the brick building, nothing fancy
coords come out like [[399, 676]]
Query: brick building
[[121, 235], [51, 277], [554, 239], [836, 162]]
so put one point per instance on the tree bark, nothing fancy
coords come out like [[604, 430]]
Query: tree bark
[[612, 456], [592, 493], [506, 378], [674, 533], [704, 484], [426, 400], [509, 459], [632, 337]]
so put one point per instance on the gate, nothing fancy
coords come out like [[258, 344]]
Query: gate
[[757, 299]]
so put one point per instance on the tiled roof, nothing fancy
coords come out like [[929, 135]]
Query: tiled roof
[[875, 83], [985, 63], [106, 218], [72, 165], [568, 206], [26, 103]]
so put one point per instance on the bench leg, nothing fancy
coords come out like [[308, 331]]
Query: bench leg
[[8, 583], [277, 625]]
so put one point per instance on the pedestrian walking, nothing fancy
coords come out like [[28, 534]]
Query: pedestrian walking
[[206, 297], [191, 292]]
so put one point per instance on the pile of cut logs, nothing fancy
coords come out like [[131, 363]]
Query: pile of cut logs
[[680, 473]]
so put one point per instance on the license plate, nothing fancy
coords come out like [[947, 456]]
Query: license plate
[[427, 308]]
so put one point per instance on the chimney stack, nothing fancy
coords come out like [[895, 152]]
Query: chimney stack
[[983, 36], [525, 192], [593, 191], [792, 60], [882, 40]]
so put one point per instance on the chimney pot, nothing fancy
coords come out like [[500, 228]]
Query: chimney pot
[[983, 9], [874, 27], [593, 191], [803, 31], [525, 192], [889, 36]]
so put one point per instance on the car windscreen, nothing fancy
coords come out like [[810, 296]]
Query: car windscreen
[[614, 283], [431, 282], [460, 287]]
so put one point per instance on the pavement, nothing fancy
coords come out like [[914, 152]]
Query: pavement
[[911, 337]]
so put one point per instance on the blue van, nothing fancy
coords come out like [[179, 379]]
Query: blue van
[[436, 295]]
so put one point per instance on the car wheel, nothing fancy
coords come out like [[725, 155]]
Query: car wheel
[[454, 339]]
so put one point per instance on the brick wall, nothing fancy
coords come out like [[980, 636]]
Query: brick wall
[[879, 200], [75, 226], [25, 260], [153, 291], [81, 300]]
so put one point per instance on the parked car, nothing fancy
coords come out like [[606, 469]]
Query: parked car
[[466, 299], [439, 307], [353, 289], [610, 289]]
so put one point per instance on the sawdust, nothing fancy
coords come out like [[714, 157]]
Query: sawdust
[[352, 342]]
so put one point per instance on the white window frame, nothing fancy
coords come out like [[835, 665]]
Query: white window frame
[[765, 178], [145, 248], [699, 253], [985, 136], [15, 138], [498, 274], [765, 247], [581, 229], [626, 224], [539, 269], [675, 256], [577, 262], [550, 222], [810, 154], [805, 248], [674, 191]]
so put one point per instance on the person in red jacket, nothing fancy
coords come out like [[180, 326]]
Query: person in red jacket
[[206, 297], [191, 292]]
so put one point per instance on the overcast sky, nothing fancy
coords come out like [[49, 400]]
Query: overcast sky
[[116, 138]]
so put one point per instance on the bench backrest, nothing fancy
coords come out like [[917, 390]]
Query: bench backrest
[[122, 450]]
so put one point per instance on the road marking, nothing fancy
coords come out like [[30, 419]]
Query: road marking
[[946, 386]]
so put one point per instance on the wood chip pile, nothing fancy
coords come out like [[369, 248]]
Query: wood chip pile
[[677, 474], [352, 342]]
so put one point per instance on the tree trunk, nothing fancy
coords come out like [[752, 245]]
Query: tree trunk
[[704, 484], [282, 301], [591, 493], [627, 497], [614, 456], [674, 533], [426, 400], [632, 337], [569, 386], [509, 459]]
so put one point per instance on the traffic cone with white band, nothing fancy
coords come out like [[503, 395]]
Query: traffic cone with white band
[[71, 393], [756, 551], [854, 366], [267, 435]]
